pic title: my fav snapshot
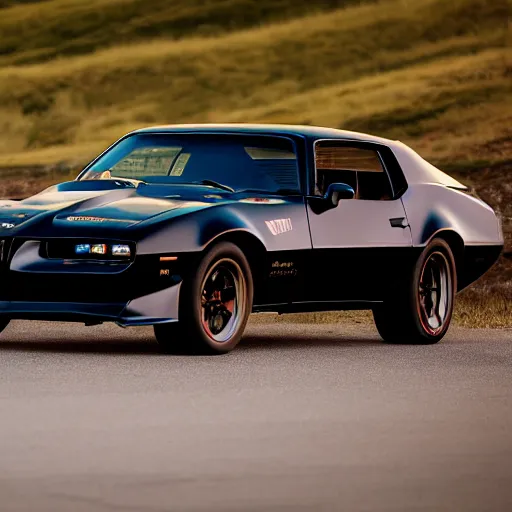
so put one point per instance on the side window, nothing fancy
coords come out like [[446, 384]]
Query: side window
[[360, 168]]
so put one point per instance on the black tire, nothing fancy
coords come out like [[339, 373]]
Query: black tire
[[215, 303], [4, 322], [421, 309]]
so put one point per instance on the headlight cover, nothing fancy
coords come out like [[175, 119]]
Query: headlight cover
[[121, 250]]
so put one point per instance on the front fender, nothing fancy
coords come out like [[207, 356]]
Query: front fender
[[192, 232]]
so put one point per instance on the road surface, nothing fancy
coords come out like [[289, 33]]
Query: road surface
[[297, 418]]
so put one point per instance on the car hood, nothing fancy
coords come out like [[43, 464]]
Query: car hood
[[78, 206]]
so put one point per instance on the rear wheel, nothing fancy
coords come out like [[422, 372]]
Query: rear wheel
[[421, 310], [215, 304]]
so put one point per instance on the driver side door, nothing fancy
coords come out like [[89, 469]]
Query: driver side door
[[363, 244]]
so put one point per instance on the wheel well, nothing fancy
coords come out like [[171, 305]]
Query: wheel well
[[454, 240], [254, 251]]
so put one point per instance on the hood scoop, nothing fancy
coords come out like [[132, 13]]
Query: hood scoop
[[95, 185]]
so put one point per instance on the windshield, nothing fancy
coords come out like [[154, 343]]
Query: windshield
[[255, 163]]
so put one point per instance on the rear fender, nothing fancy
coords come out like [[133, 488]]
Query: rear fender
[[432, 208]]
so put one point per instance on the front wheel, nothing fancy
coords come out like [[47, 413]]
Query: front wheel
[[215, 304], [421, 310]]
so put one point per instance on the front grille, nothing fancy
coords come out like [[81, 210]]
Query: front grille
[[25, 286], [5, 250]]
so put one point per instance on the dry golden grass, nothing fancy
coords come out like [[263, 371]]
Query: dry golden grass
[[473, 310], [36, 31], [436, 107], [400, 68]]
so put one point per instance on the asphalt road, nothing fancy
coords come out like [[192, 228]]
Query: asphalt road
[[297, 418]]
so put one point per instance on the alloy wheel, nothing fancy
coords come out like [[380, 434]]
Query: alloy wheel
[[435, 293], [223, 300]]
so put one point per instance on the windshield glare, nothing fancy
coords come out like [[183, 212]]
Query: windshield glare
[[241, 162]]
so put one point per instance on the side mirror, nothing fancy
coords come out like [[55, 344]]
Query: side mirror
[[337, 191]]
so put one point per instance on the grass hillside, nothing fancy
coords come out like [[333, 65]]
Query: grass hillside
[[418, 70], [437, 74], [34, 33]]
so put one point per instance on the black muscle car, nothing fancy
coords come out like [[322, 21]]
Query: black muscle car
[[190, 228]]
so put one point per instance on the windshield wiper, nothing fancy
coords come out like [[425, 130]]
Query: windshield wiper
[[129, 181], [215, 184], [279, 192]]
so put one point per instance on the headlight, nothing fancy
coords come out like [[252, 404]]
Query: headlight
[[121, 250], [99, 249], [114, 250], [82, 249]]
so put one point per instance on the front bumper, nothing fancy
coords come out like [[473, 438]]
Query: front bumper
[[155, 308], [142, 292]]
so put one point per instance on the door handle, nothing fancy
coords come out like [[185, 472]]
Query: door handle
[[399, 222]]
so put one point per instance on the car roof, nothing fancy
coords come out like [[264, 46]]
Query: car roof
[[316, 132], [415, 168]]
